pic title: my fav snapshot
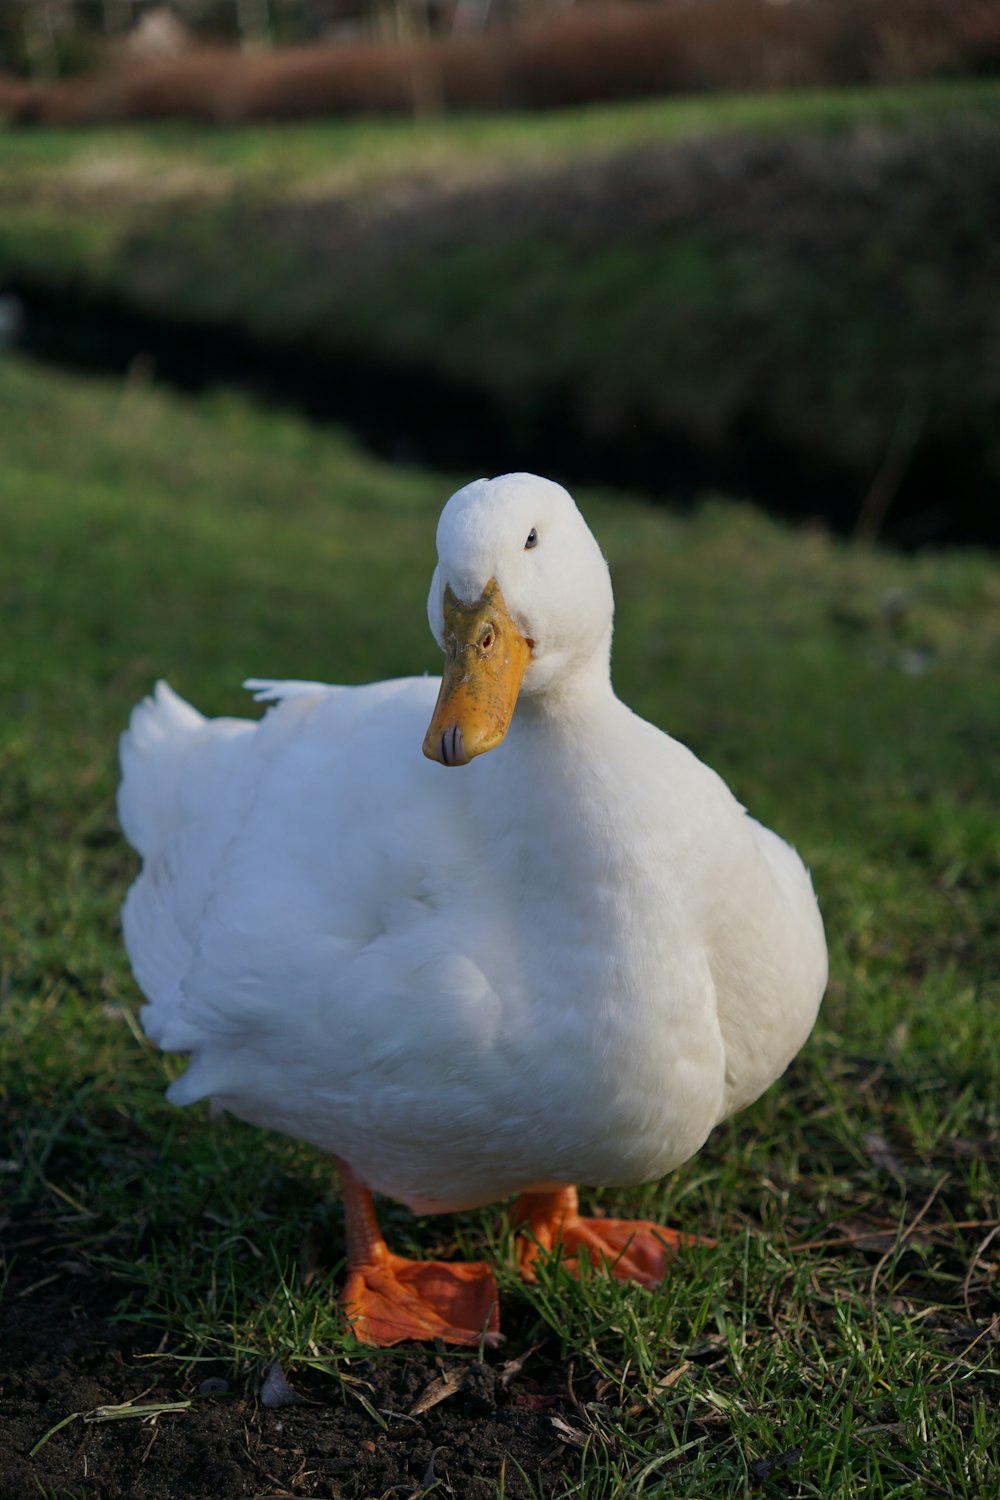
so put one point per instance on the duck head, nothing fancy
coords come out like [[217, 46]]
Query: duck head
[[520, 603]]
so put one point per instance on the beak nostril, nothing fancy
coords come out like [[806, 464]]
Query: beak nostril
[[452, 747], [487, 640]]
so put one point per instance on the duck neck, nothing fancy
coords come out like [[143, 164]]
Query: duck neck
[[567, 710], [562, 800]]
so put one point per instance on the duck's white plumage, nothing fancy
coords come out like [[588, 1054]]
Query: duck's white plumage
[[565, 962]]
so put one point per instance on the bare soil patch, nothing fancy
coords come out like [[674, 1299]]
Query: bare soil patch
[[62, 1351]]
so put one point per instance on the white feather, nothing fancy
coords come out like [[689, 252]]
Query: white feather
[[567, 961]]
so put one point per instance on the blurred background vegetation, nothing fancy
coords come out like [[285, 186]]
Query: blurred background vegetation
[[683, 245], [870, 38], [790, 296], [48, 38]]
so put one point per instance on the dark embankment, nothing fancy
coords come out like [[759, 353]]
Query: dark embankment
[[404, 413]]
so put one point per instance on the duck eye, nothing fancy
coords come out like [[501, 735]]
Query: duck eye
[[532, 539]]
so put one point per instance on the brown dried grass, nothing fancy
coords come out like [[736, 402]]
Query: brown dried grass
[[582, 56], [13, 94]]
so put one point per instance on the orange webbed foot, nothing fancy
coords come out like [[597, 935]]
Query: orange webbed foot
[[630, 1249], [391, 1299]]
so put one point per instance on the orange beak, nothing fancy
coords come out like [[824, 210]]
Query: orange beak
[[485, 660]]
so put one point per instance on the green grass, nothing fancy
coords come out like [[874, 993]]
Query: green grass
[[848, 696], [319, 156], [75, 201]]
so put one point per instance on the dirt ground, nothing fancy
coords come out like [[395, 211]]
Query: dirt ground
[[62, 1352]]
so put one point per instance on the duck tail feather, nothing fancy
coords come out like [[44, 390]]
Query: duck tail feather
[[274, 690], [149, 762]]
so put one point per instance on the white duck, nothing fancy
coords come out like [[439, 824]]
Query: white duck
[[567, 963]]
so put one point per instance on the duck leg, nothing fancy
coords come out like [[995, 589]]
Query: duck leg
[[631, 1249], [389, 1299]]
